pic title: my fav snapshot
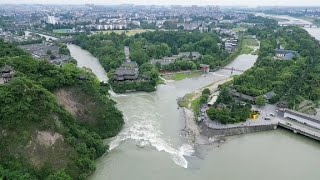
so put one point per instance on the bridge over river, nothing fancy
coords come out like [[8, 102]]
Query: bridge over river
[[232, 69], [299, 128]]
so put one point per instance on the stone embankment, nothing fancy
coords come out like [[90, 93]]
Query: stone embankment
[[192, 131], [209, 132]]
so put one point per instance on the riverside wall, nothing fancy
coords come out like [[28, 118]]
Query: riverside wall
[[209, 132]]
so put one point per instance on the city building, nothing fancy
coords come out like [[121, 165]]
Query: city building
[[188, 26], [205, 68], [230, 44], [164, 61], [52, 20], [190, 55], [7, 73], [242, 96], [282, 54], [183, 55]]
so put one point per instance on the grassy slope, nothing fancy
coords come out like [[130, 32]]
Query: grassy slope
[[182, 75], [195, 106], [247, 45]]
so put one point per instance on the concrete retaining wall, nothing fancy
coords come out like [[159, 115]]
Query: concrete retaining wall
[[235, 131]]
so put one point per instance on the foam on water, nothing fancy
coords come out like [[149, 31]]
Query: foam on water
[[221, 75], [145, 133], [113, 94], [186, 150]]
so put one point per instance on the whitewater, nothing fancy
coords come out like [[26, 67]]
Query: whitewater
[[145, 132]]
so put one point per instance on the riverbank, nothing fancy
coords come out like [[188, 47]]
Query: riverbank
[[178, 76], [247, 45], [209, 132], [212, 128], [46, 35], [190, 98], [191, 101], [195, 134]]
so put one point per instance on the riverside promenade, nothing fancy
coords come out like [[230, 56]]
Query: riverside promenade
[[302, 126]]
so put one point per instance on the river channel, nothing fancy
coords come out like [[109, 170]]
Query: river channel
[[150, 147]]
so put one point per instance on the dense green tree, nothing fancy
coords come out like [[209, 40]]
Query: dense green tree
[[204, 98], [27, 105], [63, 49], [292, 80], [207, 45], [206, 91], [180, 65], [60, 175], [224, 96], [260, 101], [139, 56], [235, 114]]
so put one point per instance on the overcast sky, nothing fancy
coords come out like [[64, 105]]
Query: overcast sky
[[180, 2]]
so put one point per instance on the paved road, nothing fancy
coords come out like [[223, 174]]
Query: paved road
[[301, 127]]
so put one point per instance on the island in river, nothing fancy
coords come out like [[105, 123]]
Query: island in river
[[133, 63]]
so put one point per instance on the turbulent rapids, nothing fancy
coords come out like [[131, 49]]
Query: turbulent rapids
[[146, 133]]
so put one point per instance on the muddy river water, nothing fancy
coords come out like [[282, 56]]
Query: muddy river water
[[150, 147]]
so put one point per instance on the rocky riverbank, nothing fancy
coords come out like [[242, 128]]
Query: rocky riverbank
[[194, 133]]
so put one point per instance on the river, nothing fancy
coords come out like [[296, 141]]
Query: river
[[27, 33], [151, 146], [288, 19]]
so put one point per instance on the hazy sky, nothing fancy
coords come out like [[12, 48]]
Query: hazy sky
[[182, 2]]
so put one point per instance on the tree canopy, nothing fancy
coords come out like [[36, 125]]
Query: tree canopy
[[292, 80], [28, 106]]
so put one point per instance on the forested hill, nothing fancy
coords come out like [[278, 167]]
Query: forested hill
[[293, 80], [42, 134]]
